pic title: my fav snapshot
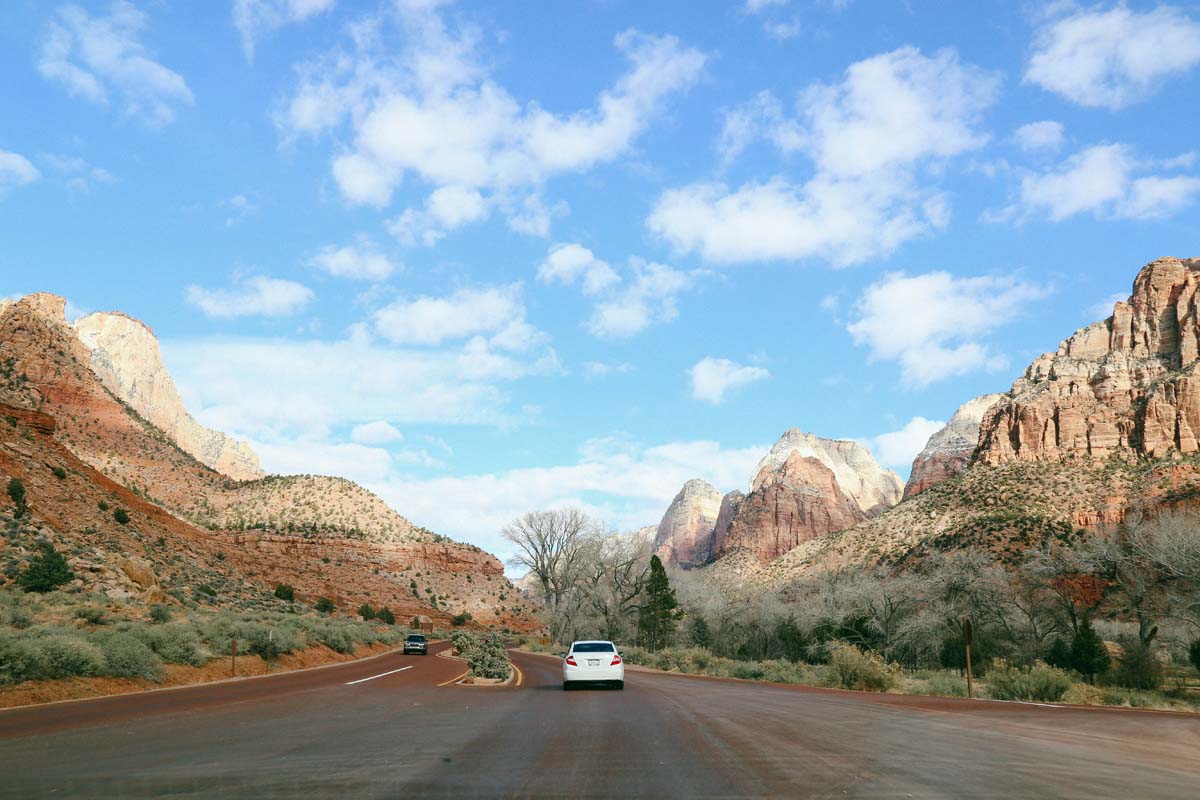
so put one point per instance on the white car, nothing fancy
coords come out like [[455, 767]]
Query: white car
[[593, 662]]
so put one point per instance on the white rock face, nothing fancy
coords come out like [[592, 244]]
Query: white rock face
[[858, 475], [127, 359], [684, 536], [948, 452]]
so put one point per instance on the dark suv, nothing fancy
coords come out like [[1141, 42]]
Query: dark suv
[[416, 643]]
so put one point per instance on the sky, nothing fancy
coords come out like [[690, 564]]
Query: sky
[[487, 258]]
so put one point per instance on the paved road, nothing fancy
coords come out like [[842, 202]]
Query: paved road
[[316, 734]]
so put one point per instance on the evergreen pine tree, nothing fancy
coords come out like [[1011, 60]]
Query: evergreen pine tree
[[1194, 654], [657, 617], [1059, 654], [1089, 656], [16, 493], [698, 632], [366, 612], [386, 616], [46, 572]]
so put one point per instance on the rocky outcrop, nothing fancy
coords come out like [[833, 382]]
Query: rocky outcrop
[[799, 500], [873, 488], [730, 504], [685, 534], [948, 452], [1124, 385], [125, 356]]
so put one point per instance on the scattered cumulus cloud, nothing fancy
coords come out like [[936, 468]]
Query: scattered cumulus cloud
[[497, 312], [255, 18], [1044, 136], [376, 433], [258, 295], [240, 208], [714, 378], [98, 57], [648, 297], [897, 449], [361, 260], [569, 263], [931, 323], [16, 170], [600, 369], [869, 137], [1115, 58], [1103, 309], [433, 110], [1107, 181]]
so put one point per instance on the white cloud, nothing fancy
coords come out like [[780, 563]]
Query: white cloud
[[567, 263], [650, 297], [95, 56], [302, 456], [1112, 59], [431, 109], [1103, 309], [16, 170], [446, 208], [80, 176], [758, 6], [930, 323], [1103, 180], [254, 18], [1046, 135], [600, 369], [897, 449], [376, 433], [240, 208], [252, 296], [868, 136], [361, 260], [497, 311], [623, 484], [713, 378]]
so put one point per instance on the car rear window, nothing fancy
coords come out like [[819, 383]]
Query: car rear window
[[416, 638], [594, 647]]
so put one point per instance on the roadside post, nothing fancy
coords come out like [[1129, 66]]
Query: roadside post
[[967, 632], [233, 658]]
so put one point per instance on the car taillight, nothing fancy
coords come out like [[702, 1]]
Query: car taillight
[[571, 661], [616, 660]]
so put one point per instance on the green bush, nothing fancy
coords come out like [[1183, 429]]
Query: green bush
[[285, 591], [127, 656], [16, 493], [94, 615], [267, 642], [458, 620], [861, 669], [336, 638], [944, 684], [366, 612], [64, 656], [46, 572], [385, 615], [1039, 683], [59, 473], [160, 614], [121, 516], [1138, 667], [175, 643], [325, 605], [1089, 656], [1194, 654]]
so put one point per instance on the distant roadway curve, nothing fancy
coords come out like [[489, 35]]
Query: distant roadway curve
[[383, 727]]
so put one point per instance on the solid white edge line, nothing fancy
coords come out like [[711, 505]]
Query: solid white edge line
[[380, 675]]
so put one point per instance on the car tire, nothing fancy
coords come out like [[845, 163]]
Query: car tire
[[619, 685], [566, 686]]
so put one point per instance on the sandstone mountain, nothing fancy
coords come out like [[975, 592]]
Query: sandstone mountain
[[805, 487], [685, 534], [1124, 385], [196, 526], [949, 451], [125, 356]]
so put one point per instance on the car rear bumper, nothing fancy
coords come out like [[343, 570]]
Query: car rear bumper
[[587, 674]]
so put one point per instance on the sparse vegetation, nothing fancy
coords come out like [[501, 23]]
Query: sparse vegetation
[[485, 654], [16, 493], [285, 592], [325, 605], [46, 572], [1039, 682], [121, 516]]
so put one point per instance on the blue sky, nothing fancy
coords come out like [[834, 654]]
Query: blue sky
[[486, 258]]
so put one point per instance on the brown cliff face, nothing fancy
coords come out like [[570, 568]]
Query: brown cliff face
[[949, 451], [684, 536], [1124, 385], [802, 501], [194, 526]]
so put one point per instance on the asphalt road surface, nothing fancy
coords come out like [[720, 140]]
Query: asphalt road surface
[[330, 733]]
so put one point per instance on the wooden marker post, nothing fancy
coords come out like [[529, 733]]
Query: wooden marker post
[[233, 658], [966, 632]]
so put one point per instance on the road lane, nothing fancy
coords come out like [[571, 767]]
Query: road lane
[[663, 736]]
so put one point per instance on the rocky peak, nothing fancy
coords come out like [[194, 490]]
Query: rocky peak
[[125, 356], [873, 488], [1126, 384], [684, 535], [948, 451]]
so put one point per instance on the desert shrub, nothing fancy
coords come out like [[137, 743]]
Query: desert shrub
[[103, 506], [944, 684], [748, 670], [1040, 682], [65, 656], [285, 591], [47, 571], [16, 616], [336, 638], [264, 642], [1194, 654], [1089, 656], [127, 656], [94, 615], [176, 643], [386, 616], [1083, 694], [325, 605], [16, 493], [460, 619], [160, 614], [121, 516], [1059, 654], [59, 473], [1138, 667], [366, 612], [486, 657], [861, 669], [699, 634]]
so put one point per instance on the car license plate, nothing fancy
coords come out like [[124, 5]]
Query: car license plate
[[593, 662]]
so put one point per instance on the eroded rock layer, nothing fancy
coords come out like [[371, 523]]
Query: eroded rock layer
[[948, 452]]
